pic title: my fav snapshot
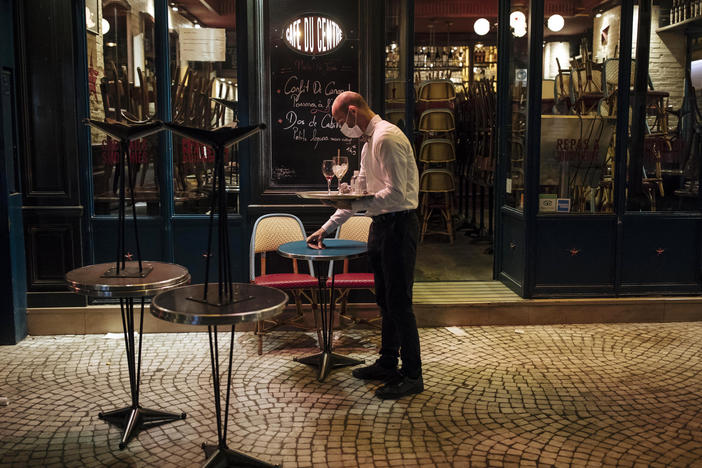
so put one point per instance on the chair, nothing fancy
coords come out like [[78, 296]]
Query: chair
[[437, 151], [435, 121], [437, 91], [563, 93], [437, 181], [269, 232], [355, 228]]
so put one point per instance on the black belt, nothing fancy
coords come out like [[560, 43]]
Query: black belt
[[386, 217]]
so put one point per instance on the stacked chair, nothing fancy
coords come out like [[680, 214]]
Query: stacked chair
[[436, 191], [437, 102], [269, 232], [480, 109]]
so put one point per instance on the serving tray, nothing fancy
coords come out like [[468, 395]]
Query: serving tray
[[335, 195]]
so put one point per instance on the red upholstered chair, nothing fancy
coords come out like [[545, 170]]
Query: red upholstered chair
[[269, 232], [355, 228]]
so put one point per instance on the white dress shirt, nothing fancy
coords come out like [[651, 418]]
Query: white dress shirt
[[387, 161]]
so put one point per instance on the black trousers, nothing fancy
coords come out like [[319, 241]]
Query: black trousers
[[392, 250]]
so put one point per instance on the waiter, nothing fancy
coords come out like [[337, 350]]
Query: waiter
[[387, 162]]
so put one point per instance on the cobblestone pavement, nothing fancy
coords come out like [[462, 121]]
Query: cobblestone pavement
[[624, 394]]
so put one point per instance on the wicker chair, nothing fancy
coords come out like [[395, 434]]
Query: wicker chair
[[355, 228], [434, 183], [269, 232]]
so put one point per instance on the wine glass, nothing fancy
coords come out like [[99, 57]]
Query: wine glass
[[328, 172], [341, 165]]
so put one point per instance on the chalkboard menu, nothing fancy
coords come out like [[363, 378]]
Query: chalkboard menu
[[313, 57]]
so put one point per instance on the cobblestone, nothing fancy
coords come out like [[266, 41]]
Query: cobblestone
[[577, 395]]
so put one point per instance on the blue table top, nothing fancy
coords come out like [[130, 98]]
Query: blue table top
[[336, 249]]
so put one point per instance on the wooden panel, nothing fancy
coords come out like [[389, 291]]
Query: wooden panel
[[575, 252], [191, 245], [513, 247], [661, 250], [49, 123], [150, 239], [53, 248]]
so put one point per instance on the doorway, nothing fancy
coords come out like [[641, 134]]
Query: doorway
[[449, 55]]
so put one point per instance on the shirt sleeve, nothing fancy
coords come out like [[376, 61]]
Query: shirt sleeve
[[337, 219]]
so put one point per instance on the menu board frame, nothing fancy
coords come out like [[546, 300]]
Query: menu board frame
[[300, 91]]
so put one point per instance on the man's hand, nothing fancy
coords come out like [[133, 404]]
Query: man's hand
[[315, 239]]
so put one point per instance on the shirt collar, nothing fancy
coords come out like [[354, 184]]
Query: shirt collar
[[371, 125]]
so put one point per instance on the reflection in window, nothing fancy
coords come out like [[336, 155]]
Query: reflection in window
[[578, 122], [663, 169], [204, 92], [122, 87]]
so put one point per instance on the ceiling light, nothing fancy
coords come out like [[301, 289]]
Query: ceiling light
[[517, 19], [197, 26], [555, 23], [481, 26], [105, 26], [174, 8], [598, 14]]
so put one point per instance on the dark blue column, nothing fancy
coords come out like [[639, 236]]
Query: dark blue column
[[13, 281]]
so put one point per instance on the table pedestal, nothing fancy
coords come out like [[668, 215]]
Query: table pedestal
[[131, 281], [134, 418], [220, 455], [326, 360]]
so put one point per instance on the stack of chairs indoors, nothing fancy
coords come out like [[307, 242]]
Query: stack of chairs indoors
[[480, 109], [436, 104], [129, 102], [200, 101]]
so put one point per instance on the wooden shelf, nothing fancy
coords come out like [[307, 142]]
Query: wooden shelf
[[689, 25]]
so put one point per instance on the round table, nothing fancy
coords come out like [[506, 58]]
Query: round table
[[198, 305], [129, 282], [335, 249]]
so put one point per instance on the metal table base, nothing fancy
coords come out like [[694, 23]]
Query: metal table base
[[96, 281], [134, 418], [203, 305], [335, 249], [326, 360]]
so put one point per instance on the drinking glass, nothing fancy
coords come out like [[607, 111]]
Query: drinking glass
[[328, 172], [341, 165]]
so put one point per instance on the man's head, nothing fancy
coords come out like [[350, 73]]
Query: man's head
[[350, 108]]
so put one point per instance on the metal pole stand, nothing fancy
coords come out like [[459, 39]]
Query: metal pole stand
[[220, 455], [133, 418], [326, 360]]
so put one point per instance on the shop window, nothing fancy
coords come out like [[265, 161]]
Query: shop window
[[516, 149], [664, 161], [578, 121], [122, 87], [205, 95]]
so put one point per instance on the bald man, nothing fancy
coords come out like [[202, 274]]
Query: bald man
[[387, 162]]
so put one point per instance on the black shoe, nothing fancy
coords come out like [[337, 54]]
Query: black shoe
[[400, 387], [376, 372]]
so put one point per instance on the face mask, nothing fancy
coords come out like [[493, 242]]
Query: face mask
[[351, 132]]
